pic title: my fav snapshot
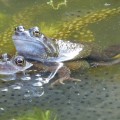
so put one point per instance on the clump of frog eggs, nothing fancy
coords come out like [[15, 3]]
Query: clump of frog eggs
[[77, 28], [78, 24]]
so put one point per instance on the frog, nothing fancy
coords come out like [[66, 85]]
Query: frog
[[55, 54], [9, 66]]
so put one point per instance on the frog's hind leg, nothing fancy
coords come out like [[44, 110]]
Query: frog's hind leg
[[113, 61], [107, 57], [64, 74]]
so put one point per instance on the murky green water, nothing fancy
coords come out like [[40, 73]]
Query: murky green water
[[96, 97]]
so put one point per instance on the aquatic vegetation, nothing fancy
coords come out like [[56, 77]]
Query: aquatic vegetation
[[70, 28], [38, 114], [56, 7], [25, 17], [4, 22], [76, 28], [5, 2], [2, 18], [48, 30]]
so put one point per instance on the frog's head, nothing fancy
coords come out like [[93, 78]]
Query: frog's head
[[32, 44], [19, 29], [13, 65], [28, 42], [35, 32], [20, 63]]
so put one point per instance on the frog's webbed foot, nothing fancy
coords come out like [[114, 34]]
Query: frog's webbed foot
[[64, 75], [61, 81]]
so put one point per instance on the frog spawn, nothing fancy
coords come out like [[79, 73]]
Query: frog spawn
[[79, 25], [75, 28], [96, 97]]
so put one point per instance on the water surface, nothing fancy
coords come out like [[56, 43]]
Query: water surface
[[96, 97]]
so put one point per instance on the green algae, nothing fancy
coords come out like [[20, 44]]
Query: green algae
[[70, 28], [38, 114], [4, 21]]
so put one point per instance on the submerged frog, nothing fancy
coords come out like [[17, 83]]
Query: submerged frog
[[12, 66], [34, 45]]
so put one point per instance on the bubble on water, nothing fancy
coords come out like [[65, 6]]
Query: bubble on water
[[39, 79], [17, 87], [2, 109], [37, 75], [26, 78], [38, 84], [4, 89]]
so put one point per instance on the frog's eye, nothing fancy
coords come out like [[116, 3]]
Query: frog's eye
[[19, 61], [36, 33], [19, 29]]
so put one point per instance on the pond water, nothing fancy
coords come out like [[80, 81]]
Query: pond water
[[97, 96]]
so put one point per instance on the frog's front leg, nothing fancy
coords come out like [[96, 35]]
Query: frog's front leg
[[53, 73], [64, 74], [53, 68]]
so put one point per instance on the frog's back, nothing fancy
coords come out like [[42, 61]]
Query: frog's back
[[72, 51]]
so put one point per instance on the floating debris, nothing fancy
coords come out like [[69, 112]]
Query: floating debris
[[56, 7]]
